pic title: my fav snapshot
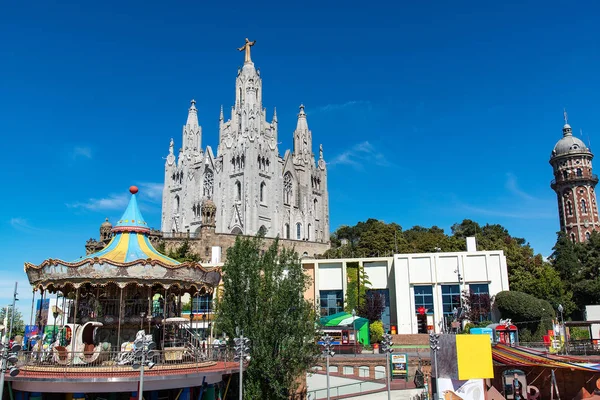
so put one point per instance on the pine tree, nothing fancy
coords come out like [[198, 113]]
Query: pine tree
[[263, 295]]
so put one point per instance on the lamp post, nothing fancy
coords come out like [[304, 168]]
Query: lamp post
[[8, 354], [354, 328], [242, 350], [327, 352], [144, 353], [386, 347], [434, 344]]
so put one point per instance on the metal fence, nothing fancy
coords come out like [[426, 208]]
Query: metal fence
[[360, 387]]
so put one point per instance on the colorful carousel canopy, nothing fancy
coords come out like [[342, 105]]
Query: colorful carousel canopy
[[129, 257]]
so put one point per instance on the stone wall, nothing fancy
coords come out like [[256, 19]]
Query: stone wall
[[203, 244]]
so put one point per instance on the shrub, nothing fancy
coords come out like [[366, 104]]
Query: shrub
[[531, 315], [376, 331]]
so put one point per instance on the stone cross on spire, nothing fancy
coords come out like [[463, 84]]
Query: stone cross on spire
[[246, 47]]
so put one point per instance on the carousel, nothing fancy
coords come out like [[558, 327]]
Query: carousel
[[108, 299]]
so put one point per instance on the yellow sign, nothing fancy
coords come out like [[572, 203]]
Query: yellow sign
[[474, 357]]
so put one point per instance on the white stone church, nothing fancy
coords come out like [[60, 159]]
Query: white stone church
[[247, 186]]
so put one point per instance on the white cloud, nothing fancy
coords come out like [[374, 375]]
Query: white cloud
[[22, 225], [512, 186], [341, 106], [151, 190], [505, 213], [81, 152], [360, 154], [111, 202]]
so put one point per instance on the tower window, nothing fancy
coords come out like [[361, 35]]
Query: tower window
[[569, 208], [298, 231], [583, 207], [287, 188], [262, 192], [587, 236], [579, 172], [565, 174], [238, 191], [573, 237]]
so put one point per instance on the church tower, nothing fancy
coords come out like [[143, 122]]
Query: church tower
[[574, 184]]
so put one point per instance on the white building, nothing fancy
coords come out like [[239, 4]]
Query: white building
[[411, 281]]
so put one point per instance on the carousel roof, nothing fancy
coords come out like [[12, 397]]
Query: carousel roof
[[131, 242], [128, 257]]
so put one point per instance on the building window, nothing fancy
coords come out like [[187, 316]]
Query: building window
[[287, 231], [298, 231], [176, 205], [569, 208], [480, 300], [587, 236], [450, 298], [583, 207], [262, 231], [308, 233], [579, 172], [424, 298], [573, 237], [565, 174], [332, 302], [316, 203], [287, 188], [262, 192], [238, 191], [208, 183], [202, 304]]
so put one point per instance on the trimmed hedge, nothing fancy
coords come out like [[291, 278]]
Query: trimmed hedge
[[531, 315]]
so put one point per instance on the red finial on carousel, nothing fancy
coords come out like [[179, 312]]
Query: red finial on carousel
[[133, 189]]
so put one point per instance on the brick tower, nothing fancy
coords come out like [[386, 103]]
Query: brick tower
[[574, 185]]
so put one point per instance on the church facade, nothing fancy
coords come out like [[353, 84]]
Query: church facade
[[247, 186]]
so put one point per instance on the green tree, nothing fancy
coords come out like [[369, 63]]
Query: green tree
[[376, 331], [183, 253], [18, 327], [263, 296], [531, 315], [358, 284]]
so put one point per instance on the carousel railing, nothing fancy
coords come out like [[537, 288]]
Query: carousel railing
[[120, 361]]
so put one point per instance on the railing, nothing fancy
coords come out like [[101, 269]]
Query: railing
[[573, 348], [592, 177], [361, 387], [111, 361]]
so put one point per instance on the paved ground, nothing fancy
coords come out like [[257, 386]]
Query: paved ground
[[395, 395]]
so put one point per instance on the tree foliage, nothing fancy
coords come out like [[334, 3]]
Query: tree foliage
[[532, 316], [372, 307], [263, 296], [183, 253], [476, 306], [358, 284], [18, 327]]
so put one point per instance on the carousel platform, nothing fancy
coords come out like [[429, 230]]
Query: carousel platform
[[118, 378]]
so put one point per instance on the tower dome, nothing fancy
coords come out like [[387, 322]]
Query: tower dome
[[569, 143]]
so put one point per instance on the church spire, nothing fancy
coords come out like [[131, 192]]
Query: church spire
[[302, 124], [274, 114], [221, 117], [192, 114]]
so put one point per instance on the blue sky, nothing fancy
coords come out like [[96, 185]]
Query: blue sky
[[428, 112]]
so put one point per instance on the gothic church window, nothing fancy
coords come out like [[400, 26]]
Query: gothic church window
[[316, 203], [176, 205], [238, 191], [583, 207], [298, 231], [287, 231], [287, 188], [208, 183], [262, 192], [262, 230]]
